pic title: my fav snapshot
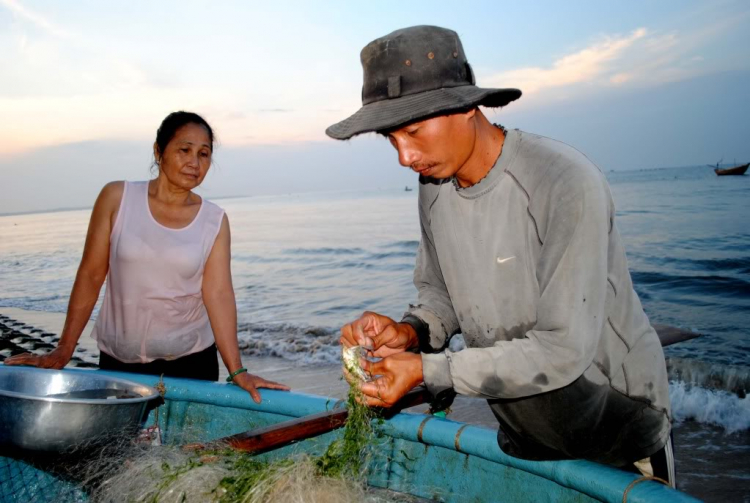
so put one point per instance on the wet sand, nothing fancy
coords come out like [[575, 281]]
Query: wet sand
[[711, 465]]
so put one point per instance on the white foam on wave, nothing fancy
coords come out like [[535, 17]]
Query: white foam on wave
[[692, 398], [308, 345], [710, 375], [716, 407]]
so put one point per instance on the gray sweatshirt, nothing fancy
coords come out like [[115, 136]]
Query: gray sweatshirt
[[528, 265]]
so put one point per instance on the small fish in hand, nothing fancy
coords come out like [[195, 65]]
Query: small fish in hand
[[350, 357]]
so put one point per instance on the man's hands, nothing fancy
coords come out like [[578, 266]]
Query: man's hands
[[251, 383], [399, 370], [381, 335], [399, 373], [55, 359]]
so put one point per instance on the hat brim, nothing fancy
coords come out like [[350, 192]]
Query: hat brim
[[390, 113]]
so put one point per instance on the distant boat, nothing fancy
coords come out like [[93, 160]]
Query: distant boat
[[736, 170], [407, 189]]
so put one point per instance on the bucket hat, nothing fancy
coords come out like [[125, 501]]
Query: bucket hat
[[415, 73]]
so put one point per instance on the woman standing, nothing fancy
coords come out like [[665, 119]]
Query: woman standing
[[165, 252]]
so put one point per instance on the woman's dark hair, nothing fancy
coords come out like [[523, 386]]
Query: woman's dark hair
[[175, 121]]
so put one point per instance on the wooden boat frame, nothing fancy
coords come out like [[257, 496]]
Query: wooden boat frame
[[418, 454]]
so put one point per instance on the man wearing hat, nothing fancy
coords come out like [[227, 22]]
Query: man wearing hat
[[520, 254]]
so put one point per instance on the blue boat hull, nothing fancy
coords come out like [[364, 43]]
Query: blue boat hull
[[417, 454]]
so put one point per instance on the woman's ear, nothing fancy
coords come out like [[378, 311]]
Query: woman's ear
[[157, 154]]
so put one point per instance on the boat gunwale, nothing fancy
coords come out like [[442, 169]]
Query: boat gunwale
[[607, 483]]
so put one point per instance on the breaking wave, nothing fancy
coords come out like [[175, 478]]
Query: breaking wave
[[707, 406], [309, 345], [703, 392], [710, 393], [699, 373]]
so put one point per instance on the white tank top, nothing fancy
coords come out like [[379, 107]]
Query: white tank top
[[153, 305]]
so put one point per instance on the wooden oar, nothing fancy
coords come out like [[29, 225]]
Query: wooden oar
[[278, 435]]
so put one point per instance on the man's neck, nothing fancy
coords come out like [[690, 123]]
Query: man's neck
[[488, 145]]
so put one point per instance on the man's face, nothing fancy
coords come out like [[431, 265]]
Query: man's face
[[436, 147]]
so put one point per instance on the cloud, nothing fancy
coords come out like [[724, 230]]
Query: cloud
[[642, 58], [586, 65], [38, 20], [621, 78], [661, 43], [59, 87], [95, 80], [55, 62]]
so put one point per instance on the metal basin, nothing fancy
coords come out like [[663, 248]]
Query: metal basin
[[54, 411]]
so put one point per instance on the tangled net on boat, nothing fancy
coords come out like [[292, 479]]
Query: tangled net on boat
[[173, 476], [126, 472]]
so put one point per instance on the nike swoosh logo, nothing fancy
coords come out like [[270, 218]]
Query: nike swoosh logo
[[504, 260]]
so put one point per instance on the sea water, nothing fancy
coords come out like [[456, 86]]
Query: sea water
[[305, 264]]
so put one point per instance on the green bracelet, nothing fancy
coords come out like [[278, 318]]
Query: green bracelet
[[236, 373]]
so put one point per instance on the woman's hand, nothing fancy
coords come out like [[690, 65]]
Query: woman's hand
[[251, 383], [55, 359]]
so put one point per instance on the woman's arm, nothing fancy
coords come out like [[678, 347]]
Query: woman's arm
[[89, 279], [218, 297]]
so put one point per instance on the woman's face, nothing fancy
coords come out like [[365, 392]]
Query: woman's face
[[187, 157]]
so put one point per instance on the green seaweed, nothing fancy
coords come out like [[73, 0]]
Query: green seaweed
[[345, 458], [170, 475], [246, 473]]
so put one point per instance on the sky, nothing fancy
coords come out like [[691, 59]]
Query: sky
[[85, 84]]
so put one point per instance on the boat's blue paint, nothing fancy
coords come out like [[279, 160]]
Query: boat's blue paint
[[417, 454], [594, 480], [228, 395], [597, 481]]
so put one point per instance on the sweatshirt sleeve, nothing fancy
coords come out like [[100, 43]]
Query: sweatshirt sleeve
[[434, 307], [573, 223]]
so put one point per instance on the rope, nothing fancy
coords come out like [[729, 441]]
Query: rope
[[162, 389], [638, 481]]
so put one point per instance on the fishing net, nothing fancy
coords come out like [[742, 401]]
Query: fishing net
[[24, 480], [21, 482], [127, 469]]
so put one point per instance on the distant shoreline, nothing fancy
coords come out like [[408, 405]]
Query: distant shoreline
[[37, 212]]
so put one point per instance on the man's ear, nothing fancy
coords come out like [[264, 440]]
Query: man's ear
[[470, 114]]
